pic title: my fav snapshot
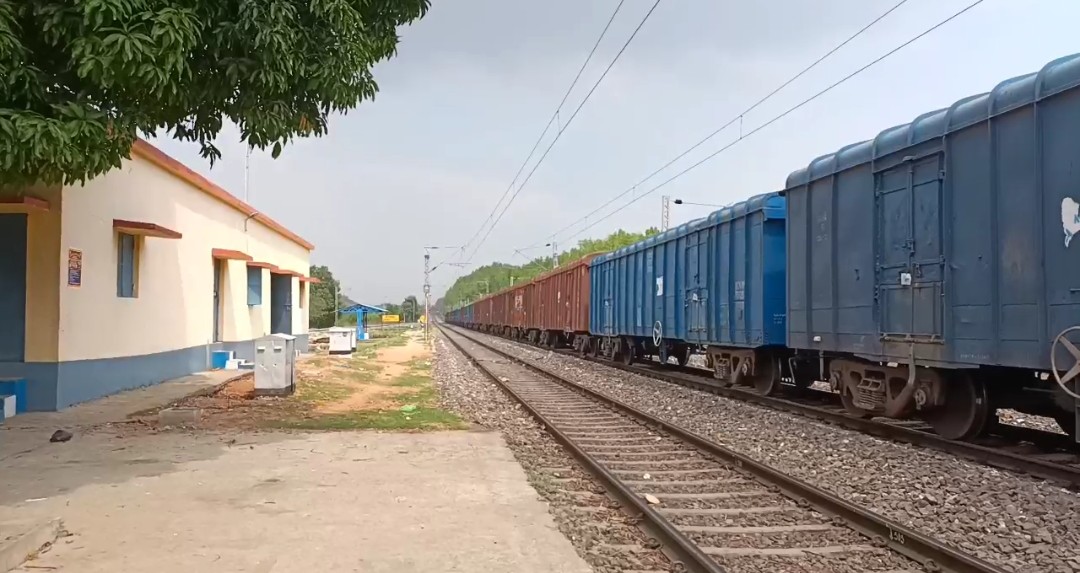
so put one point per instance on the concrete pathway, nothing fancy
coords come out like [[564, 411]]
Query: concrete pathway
[[286, 502], [30, 431]]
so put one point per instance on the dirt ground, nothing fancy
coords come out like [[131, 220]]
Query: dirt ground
[[385, 384]]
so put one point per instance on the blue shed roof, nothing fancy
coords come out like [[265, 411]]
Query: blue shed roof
[[368, 309], [771, 203], [1057, 76]]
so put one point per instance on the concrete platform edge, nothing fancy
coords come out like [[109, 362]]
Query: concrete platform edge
[[15, 552], [209, 390]]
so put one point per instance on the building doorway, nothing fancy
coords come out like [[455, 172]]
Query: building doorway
[[280, 304], [12, 287]]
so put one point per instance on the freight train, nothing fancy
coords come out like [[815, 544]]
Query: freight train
[[924, 273]]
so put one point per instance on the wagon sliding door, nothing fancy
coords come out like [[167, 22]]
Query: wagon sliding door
[[697, 270], [911, 261], [608, 324]]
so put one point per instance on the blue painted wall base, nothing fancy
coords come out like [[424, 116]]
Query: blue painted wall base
[[50, 386]]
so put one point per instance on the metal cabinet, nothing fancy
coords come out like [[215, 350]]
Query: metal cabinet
[[275, 365], [341, 340]]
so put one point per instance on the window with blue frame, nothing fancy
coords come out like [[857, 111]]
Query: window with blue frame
[[254, 283], [127, 272]]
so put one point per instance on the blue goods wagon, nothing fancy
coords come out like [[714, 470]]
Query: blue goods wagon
[[932, 270], [464, 315], [715, 284]]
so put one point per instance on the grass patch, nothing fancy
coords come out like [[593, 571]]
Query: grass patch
[[422, 365], [413, 380], [320, 391], [419, 419]]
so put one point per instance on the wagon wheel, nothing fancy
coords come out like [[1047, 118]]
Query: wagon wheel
[[1063, 341], [627, 348], [966, 411], [766, 378]]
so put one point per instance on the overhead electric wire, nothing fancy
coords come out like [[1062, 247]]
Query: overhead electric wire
[[784, 114], [566, 125], [554, 115], [732, 121]]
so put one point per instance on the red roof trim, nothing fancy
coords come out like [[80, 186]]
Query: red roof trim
[[145, 229], [230, 255], [23, 204]]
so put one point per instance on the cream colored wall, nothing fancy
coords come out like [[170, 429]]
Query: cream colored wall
[[174, 306]]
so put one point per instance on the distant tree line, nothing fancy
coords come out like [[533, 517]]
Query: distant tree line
[[497, 276], [321, 298], [321, 311]]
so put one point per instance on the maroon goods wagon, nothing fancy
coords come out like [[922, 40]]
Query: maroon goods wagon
[[562, 299]]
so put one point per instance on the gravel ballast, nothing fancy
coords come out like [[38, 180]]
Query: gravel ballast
[[1018, 523], [552, 472]]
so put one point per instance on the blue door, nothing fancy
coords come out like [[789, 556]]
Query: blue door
[[609, 299], [12, 287], [697, 270], [217, 300], [280, 304], [911, 257]]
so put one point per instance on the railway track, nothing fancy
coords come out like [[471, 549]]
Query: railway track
[[711, 509], [1038, 453], [1047, 455]]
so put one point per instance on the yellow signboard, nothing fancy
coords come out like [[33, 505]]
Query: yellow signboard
[[391, 318], [423, 319]]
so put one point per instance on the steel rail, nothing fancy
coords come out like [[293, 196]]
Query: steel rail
[[1066, 475], [931, 553], [684, 551]]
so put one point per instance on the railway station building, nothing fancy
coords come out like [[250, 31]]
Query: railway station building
[[134, 278]]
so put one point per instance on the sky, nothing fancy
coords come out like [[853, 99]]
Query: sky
[[475, 82]]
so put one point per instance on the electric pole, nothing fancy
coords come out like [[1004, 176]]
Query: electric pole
[[427, 295], [555, 254], [665, 213]]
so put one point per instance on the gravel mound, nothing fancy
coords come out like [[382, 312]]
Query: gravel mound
[[1018, 523], [1029, 421]]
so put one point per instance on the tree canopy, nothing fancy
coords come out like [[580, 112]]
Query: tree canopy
[[81, 79], [497, 276], [321, 298]]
